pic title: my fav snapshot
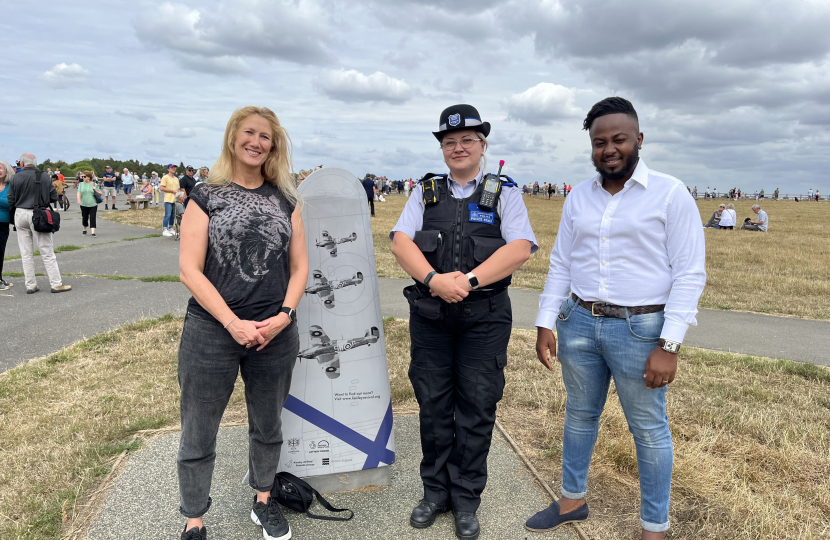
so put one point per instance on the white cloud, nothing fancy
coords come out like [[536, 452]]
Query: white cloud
[[353, 86], [143, 116], [180, 133], [542, 104], [65, 75], [218, 40], [513, 143]]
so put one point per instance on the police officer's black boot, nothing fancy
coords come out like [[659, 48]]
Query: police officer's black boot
[[425, 513], [466, 525]]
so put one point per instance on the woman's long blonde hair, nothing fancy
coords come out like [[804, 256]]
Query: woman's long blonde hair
[[277, 168]]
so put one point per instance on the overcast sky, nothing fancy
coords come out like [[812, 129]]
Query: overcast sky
[[728, 93]]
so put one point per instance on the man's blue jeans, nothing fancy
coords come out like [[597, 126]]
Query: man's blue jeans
[[591, 351], [169, 216]]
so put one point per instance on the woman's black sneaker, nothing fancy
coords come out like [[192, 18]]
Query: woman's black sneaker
[[269, 516], [84, 232], [195, 533]]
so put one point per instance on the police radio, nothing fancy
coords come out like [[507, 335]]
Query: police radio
[[492, 189]]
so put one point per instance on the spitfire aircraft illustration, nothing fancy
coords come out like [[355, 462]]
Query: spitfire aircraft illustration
[[330, 243], [327, 352], [324, 288]]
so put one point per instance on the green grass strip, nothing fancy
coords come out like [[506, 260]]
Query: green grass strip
[[152, 279]]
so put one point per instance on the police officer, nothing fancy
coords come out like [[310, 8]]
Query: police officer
[[461, 246]]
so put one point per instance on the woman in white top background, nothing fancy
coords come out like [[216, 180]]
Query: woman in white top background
[[728, 217]]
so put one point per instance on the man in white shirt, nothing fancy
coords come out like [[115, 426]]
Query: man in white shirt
[[760, 224], [626, 273]]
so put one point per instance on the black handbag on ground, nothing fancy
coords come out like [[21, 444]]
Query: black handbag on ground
[[44, 220], [298, 495]]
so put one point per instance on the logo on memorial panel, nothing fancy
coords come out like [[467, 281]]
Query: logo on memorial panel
[[293, 446], [325, 461], [312, 445], [323, 444], [454, 119]]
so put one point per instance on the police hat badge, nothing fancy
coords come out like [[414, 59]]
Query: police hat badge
[[458, 117]]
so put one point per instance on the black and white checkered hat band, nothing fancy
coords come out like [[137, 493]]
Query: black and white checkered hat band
[[468, 122]]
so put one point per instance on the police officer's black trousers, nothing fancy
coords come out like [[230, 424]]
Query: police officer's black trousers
[[457, 371]]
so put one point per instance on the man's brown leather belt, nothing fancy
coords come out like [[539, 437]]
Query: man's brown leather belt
[[599, 309]]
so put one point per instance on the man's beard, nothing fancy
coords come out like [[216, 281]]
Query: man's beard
[[628, 167]]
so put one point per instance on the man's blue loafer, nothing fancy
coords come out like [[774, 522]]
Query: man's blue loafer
[[549, 518]]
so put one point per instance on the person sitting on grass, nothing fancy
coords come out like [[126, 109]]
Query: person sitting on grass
[[760, 224], [714, 221], [728, 218]]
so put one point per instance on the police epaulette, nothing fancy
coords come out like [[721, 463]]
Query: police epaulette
[[510, 182], [427, 176]]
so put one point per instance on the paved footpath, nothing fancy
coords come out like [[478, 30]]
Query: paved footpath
[[144, 499], [97, 304]]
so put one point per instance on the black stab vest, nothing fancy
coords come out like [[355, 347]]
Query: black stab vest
[[450, 241]]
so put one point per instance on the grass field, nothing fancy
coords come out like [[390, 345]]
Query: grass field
[[751, 434], [783, 272]]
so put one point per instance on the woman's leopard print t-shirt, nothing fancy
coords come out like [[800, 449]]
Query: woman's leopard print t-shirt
[[247, 256]]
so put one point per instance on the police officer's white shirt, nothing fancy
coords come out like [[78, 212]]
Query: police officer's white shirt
[[515, 225], [642, 246]]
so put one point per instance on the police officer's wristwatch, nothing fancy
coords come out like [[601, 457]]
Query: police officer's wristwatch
[[292, 313], [670, 346], [473, 281]]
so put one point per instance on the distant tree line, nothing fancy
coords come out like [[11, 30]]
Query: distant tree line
[[98, 165]]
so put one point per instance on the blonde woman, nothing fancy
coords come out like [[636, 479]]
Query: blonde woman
[[243, 257], [728, 218]]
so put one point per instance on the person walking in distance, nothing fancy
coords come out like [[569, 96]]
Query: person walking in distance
[[86, 200], [6, 173], [371, 191], [127, 182], [109, 187], [169, 186], [626, 272], [30, 189]]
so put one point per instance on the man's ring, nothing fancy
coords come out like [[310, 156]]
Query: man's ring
[[666, 382]]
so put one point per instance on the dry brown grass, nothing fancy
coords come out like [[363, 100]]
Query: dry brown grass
[[64, 418], [751, 436], [785, 271], [150, 217]]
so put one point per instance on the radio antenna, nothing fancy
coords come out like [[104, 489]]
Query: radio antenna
[[501, 164]]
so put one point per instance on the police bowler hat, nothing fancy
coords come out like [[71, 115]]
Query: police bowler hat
[[459, 117]]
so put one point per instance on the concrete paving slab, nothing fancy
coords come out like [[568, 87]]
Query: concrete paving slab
[[71, 229], [137, 258], [143, 502], [800, 340], [93, 305]]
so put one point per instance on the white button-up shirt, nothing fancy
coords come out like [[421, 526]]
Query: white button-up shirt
[[642, 246]]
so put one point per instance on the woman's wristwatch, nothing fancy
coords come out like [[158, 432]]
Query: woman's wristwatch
[[292, 313]]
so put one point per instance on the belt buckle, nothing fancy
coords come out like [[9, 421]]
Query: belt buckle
[[594, 313]]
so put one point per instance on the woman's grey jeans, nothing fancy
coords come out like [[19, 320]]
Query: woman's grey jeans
[[209, 360]]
